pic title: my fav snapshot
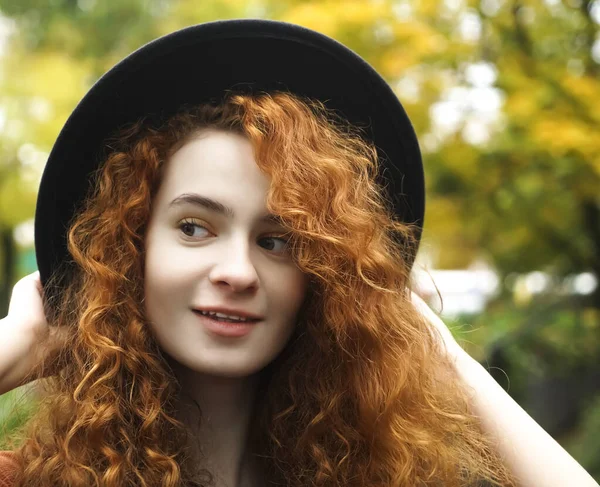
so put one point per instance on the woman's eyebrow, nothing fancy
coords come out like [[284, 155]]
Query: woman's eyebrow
[[216, 207]]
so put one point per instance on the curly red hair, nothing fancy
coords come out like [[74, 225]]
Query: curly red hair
[[362, 395]]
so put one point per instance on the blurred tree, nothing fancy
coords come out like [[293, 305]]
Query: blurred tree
[[529, 194], [35, 101]]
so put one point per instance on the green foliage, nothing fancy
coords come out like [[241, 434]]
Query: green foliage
[[584, 443], [16, 407], [529, 195], [84, 28], [546, 336]]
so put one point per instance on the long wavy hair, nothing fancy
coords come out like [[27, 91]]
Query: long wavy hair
[[362, 395]]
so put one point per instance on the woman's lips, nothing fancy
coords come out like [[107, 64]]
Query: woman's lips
[[224, 328]]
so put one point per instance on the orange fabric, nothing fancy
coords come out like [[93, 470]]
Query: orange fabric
[[8, 469]]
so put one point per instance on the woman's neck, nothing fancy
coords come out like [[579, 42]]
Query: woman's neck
[[222, 427]]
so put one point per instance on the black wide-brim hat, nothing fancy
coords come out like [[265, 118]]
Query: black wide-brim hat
[[201, 63]]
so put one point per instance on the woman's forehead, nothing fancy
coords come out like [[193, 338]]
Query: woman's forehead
[[216, 171], [215, 157]]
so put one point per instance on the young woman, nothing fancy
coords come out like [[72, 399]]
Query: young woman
[[228, 303]]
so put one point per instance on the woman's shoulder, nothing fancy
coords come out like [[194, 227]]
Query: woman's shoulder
[[8, 468]]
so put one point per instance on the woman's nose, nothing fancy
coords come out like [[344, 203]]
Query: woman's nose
[[235, 269]]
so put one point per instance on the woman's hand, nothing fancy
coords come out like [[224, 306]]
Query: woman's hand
[[454, 349], [26, 309], [22, 332]]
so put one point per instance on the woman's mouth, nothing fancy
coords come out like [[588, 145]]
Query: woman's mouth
[[224, 326]]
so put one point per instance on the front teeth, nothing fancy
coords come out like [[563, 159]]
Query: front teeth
[[222, 315]]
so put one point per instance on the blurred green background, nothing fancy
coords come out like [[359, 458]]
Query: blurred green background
[[505, 99]]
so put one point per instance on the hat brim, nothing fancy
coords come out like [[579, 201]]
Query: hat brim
[[201, 63]]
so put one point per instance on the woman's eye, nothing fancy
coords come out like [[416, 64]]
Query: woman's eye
[[190, 228], [283, 247]]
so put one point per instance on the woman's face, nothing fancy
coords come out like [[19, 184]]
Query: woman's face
[[197, 257]]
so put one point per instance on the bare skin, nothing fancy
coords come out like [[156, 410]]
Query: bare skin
[[22, 331]]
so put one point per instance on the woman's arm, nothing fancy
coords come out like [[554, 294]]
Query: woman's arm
[[16, 350], [535, 458]]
